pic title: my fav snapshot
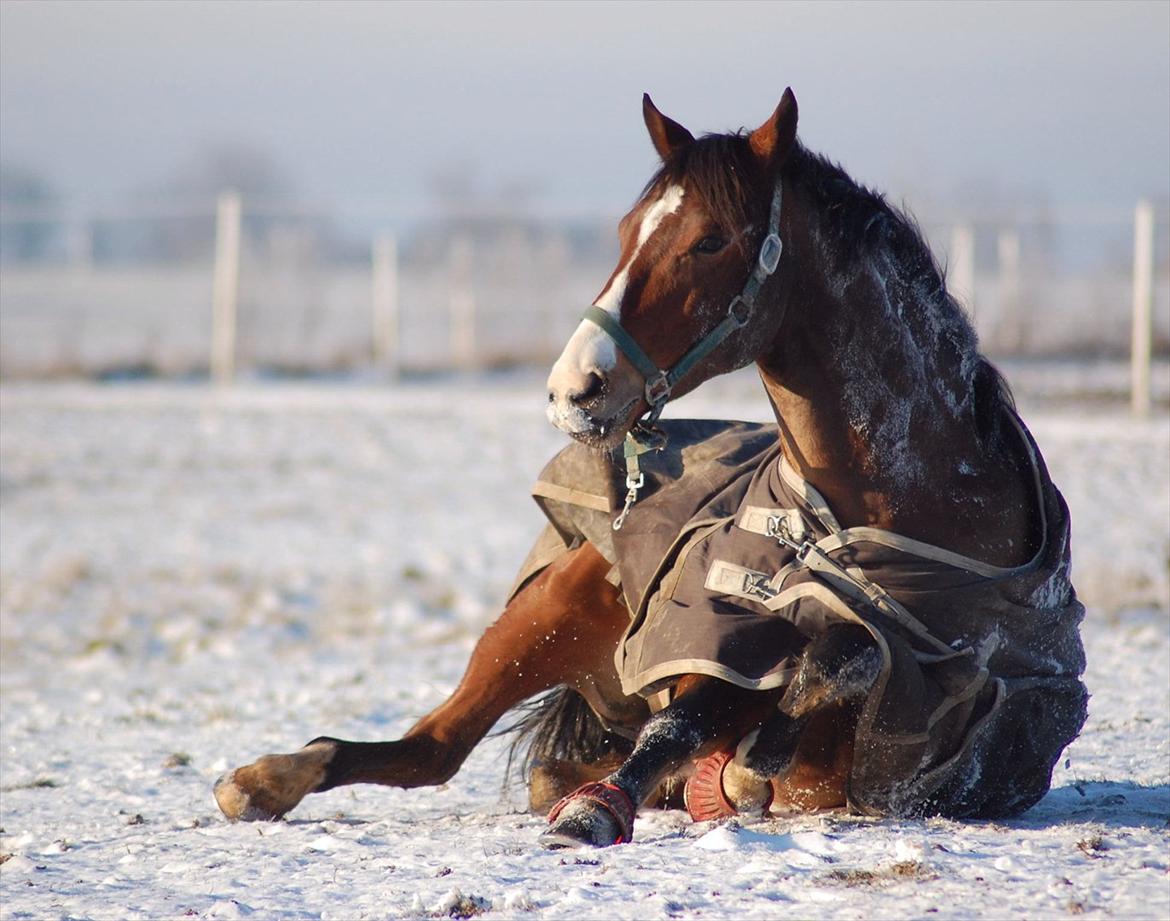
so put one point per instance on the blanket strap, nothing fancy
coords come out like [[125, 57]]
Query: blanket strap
[[857, 587]]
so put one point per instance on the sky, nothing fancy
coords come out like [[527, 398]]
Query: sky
[[364, 104]]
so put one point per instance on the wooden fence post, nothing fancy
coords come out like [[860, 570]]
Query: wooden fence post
[[1143, 308], [225, 287], [79, 241], [384, 256], [1009, 334], [462, 304]]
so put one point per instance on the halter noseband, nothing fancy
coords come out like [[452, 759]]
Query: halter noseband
[[660, 383]]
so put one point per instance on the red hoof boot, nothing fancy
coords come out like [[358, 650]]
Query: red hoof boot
[[703, 794], [713, 793], [595, 814]]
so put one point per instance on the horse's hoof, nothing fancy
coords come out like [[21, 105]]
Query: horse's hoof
[[236, 803], [582, 824], [271, 786], [593, 815]]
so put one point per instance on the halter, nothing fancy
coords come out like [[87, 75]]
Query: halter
[[659, 383]]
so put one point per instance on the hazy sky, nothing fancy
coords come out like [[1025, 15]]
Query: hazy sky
[[364, 102]]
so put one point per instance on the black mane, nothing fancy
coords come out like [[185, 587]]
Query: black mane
[[720, 169], [865, 222]]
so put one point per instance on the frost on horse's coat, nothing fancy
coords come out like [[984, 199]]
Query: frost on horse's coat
[[979, 690]]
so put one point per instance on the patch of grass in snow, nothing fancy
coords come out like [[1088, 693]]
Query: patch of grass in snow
[[102, 644], [902, 870], [458, 905], [37, 784]]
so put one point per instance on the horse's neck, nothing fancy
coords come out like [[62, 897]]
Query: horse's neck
[[872, 383]]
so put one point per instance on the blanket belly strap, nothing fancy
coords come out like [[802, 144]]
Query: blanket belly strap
[[732, 579], [860, 588]]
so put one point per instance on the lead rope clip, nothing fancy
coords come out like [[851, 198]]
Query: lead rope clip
[[642, 439]]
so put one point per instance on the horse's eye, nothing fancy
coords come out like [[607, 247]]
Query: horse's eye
[[710, 245]]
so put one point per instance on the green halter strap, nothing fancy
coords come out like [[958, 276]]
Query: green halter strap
[[659, 383]]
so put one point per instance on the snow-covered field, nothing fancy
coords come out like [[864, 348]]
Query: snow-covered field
[[191, 579]]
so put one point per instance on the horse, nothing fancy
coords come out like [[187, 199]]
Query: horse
[[866, 606]]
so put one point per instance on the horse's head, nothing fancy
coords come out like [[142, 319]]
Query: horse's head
[[679, 308]]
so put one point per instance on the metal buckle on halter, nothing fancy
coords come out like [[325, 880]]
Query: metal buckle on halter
[[658, 389], [734, 309], [770, 251]]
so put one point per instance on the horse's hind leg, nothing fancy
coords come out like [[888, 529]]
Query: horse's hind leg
[[561, 628]]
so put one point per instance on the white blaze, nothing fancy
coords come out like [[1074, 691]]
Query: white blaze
[[590, 348]]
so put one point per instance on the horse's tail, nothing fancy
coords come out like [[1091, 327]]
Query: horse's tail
[[560, 725]]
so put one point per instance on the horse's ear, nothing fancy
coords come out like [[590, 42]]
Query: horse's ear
[[772, 142], [667, 134]]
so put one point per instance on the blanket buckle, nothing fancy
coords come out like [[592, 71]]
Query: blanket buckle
[[758, 585], [780, 529]]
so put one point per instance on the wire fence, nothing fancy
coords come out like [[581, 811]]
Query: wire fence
[[182, 289]]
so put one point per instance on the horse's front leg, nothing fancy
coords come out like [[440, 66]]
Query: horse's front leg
[[706, 714], [561, 628]]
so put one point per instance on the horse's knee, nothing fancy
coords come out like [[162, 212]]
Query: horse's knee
[[271, 786], [841, 663], [774, 747]]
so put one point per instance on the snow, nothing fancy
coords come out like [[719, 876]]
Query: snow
[[192, 578]]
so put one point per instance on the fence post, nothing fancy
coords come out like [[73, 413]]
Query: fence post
[[1008, 250], [962, 266], [80, 245], [384, 256], [462, 304], [1143, 308], [225, 287]]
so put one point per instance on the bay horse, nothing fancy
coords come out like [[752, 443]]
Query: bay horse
[[897, 453]]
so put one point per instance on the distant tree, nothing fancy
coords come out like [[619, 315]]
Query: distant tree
[[195, 184], [251, 171], [27, 201]]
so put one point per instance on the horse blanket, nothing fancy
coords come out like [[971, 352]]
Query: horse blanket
[[729, 562]]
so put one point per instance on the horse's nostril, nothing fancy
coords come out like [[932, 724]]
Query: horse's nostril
[[593, 387]]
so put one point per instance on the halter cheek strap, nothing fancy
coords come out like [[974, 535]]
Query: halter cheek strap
[[660, 383]]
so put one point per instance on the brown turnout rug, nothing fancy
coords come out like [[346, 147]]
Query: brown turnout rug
[[729, 562]]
